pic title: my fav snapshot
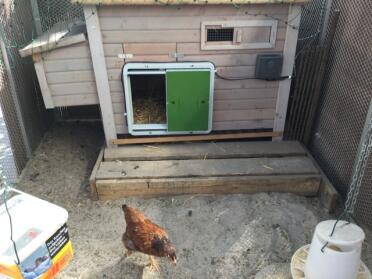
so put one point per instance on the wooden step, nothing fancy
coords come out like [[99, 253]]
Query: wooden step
[[205, 168], [215, 176], [109, 189], [210, 150]]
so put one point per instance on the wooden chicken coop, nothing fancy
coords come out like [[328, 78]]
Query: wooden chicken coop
[[178, 67], [182, 67]]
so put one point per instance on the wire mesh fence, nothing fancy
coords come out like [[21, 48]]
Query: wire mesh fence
[[346, 100], [6, 153], [53, 12], [10, 131], [20, 98], [314, 16], [345, 93]]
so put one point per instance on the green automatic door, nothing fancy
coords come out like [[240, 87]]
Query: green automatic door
[[188, 100]]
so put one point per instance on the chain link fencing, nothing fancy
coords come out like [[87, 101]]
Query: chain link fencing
[[345, 96], [7, 157], [21, 103], [53, 12], [314, 17], [6, 154]]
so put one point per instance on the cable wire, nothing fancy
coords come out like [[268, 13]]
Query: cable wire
[[233, 78], [248, 78], [5, 199]]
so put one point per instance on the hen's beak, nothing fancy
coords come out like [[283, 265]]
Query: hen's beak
[[174, 261]]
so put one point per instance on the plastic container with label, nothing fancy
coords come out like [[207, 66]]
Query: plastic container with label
[[40, 235]]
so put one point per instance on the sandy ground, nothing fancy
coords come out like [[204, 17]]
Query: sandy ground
[[6, 154], [230, 236]]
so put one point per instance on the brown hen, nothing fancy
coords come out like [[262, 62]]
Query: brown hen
[[144, 236]]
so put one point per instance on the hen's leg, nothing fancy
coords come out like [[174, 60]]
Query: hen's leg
[[154, 264], [128, 244]]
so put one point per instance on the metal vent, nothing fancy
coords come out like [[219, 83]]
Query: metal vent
[[220, 35]]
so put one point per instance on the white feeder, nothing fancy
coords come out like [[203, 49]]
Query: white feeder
[[40, 234], [340, 258]]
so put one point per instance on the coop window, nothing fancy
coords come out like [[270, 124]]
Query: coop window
[[220, 34], [148, 98], [239, 34]]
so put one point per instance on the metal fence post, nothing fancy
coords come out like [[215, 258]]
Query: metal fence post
[[326, 21], [36, 16]]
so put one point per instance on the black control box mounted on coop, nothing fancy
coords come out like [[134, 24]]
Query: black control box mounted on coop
[[269, 66]]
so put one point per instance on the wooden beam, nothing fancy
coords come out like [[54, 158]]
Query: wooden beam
[[41, 76], [185, 2], [36, 17], [206, 168], [92, 178], [207, 150], [100, 71], [306, 185], [143, 140], [294, 18]]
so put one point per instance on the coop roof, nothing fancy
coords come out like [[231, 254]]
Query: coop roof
[[186, 2], [60, 35]]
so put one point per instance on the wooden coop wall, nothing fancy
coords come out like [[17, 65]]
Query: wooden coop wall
[[152, 33], [69, 76]]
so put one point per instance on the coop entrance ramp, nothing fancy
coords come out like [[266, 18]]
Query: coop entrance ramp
[[204, 168]]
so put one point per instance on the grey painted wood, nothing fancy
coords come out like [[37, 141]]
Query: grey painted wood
[[306, 185], [100, 72], [205, 168], [189, 10], [241, 125], [294, 16], [211, 150], [145, 33]]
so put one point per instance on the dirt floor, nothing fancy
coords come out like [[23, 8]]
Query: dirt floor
[[229, 236]]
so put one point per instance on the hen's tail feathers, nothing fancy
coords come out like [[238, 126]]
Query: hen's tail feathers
[[124, 206]]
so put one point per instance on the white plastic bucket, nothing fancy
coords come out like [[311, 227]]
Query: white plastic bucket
[[40, 232], [299, 260], [340, 258]]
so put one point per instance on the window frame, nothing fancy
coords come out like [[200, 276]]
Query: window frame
[[141, 68], [236, 43]]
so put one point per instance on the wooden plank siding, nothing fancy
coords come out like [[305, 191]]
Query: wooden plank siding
[[182, 22], [192, 11], [145, 33], [185, 2], [70, 76]]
